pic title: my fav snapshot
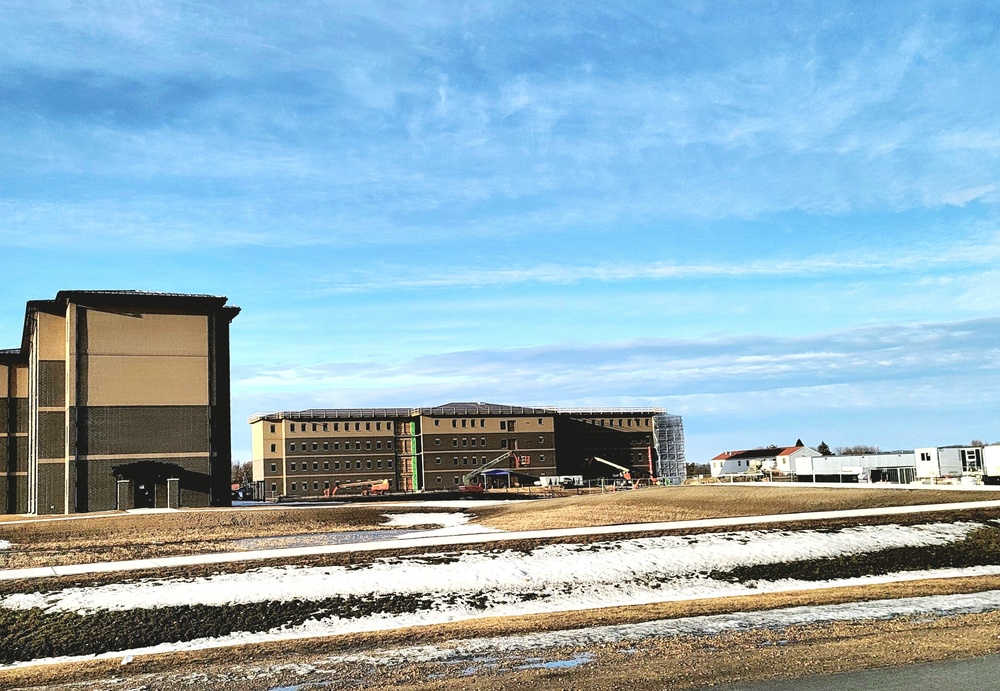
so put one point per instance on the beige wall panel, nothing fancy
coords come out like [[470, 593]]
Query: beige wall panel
[[4, 377], [21, 382], [124, 333], [146, 380], [52, 337]]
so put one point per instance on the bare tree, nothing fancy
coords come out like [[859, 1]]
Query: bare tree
[[242, 472], [977, 442], [856, 450]]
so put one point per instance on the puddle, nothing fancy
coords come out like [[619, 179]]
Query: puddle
[[321, 539], [582, 659]]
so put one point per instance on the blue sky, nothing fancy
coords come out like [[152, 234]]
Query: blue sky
[[777, 219]]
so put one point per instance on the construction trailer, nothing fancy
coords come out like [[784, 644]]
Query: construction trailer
[[948, 462], [896, 467]]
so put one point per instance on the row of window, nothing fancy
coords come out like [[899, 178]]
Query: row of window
[[474, 460], [504, 424], [304, 446], [336, 465], [325, 426], [471, 441], [620, 422]]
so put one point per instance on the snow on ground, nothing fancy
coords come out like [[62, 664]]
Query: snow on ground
[[451, 524], [4, 544], [562, 576]]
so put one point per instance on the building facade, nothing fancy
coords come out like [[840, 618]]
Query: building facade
[[310, 452], [117, 400]]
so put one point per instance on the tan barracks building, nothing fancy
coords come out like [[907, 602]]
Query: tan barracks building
[[309, 452], [117, 400]]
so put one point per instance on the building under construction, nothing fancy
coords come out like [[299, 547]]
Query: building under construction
[[314, 452]]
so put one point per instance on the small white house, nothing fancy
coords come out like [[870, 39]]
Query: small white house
[[753, 461]]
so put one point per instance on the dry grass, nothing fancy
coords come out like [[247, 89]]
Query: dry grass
[[137, 536], [701, 501]]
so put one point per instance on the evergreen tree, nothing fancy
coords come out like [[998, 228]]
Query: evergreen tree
[[824, 449]]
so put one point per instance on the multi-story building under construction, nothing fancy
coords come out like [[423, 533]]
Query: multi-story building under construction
[[310, 452], [116, 400]]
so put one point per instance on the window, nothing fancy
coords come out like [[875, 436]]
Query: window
[[326, 446], [274, 486], [388, 463], [357, 426], [291, 427], [315, 446], [274, 467], [326, 427], [291, 447], [437, 423], [368, 426], [388, 426], [464, 423], [326, 484], [465, 460], [378, 444], [357, 465], [541, 458], [368, 446], [388, 443], [454, 460], [619, 423], [456, 479], [274, 447], [473, 441], [293, 465], [503, 443], [465, 442], [326, 465], [272, 429], [315, 465], [336, 446], [539, 421], [437, 460], [378, 425], [454, 441], [647, 422], [336, 465], [630, 422], [541, 439], [454, 423], [378, 463], [315, 485], [482, 422], [315, 427], [482, 442], [357, 446], [336, 427], [293, 486], [438, 478], [368, 464], [503, 424]]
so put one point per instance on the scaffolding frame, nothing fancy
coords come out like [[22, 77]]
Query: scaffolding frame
[[668, 440]]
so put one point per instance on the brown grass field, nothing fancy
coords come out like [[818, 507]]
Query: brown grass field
[[676, 663], [692, 502], [118, 537]]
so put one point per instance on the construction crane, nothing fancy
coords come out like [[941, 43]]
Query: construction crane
[[373, 487], [467, 487], [626, 473]]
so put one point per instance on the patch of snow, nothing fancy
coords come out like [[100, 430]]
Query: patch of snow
[[565, 576], [4, 544], [451, 524]]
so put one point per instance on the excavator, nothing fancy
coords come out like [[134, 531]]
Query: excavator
[[625, 473], [467, 486], [371, 487]]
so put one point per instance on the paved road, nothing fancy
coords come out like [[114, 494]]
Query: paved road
[[979, 674], [469, 537]]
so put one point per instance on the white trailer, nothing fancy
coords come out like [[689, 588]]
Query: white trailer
[[991, 463], [948, 462]]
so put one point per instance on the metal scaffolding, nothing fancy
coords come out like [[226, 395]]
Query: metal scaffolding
[[668, 439]]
